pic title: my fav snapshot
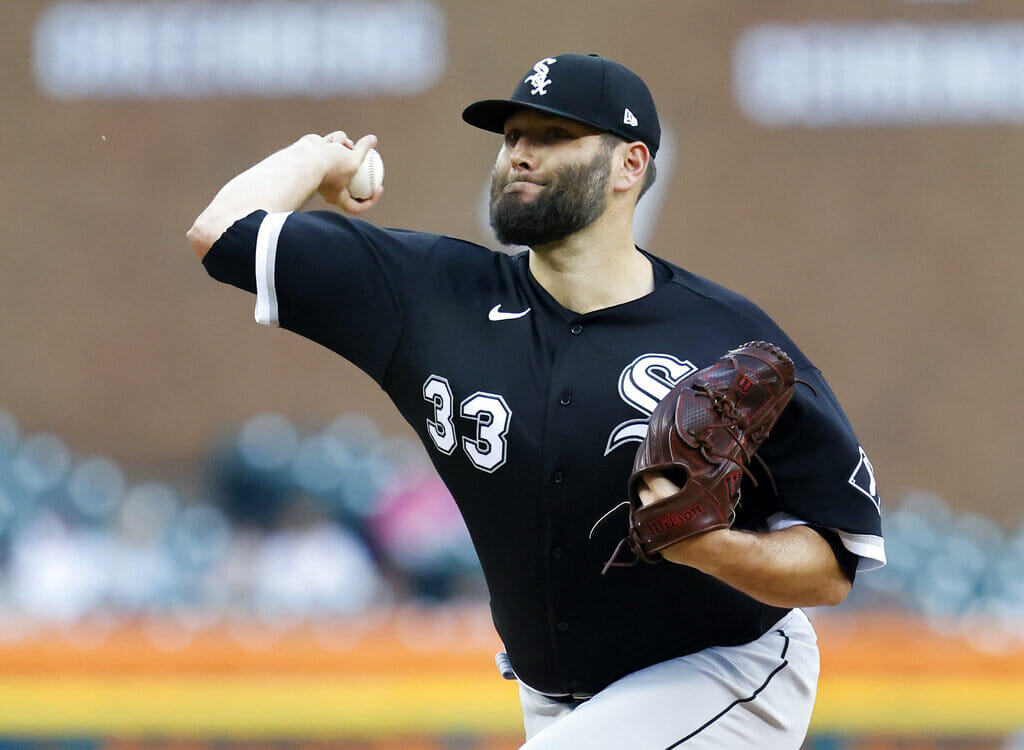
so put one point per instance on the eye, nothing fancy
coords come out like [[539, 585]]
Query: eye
[[512, 137]]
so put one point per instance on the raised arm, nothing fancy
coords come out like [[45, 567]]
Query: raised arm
[[284, 181]]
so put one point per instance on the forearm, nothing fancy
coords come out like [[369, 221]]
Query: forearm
[[790, 568], [282, 182]]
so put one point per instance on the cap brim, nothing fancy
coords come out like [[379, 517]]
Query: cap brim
[[490, 114]]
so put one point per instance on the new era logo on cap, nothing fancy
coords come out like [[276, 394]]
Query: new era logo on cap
[[629, 118]]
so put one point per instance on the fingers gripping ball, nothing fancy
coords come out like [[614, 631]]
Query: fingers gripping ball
[[703, 435], [368, 177]]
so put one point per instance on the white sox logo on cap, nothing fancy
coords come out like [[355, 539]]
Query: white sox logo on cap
[[539, 80]]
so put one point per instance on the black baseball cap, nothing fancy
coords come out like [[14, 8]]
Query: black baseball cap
[[587, 88]]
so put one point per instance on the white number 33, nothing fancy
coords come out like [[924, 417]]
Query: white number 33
[[488, 448]]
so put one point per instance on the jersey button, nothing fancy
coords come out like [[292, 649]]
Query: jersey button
[[562, 626], [576, 330], [558, 477], [565, 399], [557, 553]]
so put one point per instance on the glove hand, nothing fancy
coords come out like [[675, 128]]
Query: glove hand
[[705, 432], [654, 486], [693, 550]]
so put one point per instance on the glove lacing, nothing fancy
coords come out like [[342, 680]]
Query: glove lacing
[[638, 554], [726, 409]]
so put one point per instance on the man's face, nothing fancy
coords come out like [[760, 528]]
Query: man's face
[[550, 179]]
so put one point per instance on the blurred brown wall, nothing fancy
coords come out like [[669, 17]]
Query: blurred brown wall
[[891, 254]]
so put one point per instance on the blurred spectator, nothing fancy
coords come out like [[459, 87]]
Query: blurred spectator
[[419, 527], [251, 473]]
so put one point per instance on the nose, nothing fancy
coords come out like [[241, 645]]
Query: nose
[[520, 156]]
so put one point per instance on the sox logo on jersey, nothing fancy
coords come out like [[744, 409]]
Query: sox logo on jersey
[[642, 384]]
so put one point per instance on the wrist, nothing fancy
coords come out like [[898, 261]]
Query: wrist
[[709, 552], [311, 152]]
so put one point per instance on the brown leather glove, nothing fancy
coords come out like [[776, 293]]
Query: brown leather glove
[[702, 436]]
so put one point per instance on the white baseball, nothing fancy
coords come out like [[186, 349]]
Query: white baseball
[[368, 177]]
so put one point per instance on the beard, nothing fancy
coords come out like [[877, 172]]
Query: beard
[[573, 199]]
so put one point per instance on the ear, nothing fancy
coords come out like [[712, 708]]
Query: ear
[[629, 166]]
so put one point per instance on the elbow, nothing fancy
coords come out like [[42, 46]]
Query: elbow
[[200, 238], [836, 591], [822, 593]]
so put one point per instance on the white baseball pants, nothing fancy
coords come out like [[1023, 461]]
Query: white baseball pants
[[756, 695]]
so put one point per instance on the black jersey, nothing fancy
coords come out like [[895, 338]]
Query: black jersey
[[532, 415]]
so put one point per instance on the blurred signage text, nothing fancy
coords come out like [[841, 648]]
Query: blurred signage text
[[820, 75], [168, 49]]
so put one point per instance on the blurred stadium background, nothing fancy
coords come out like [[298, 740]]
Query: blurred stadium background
[[192, 546]]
